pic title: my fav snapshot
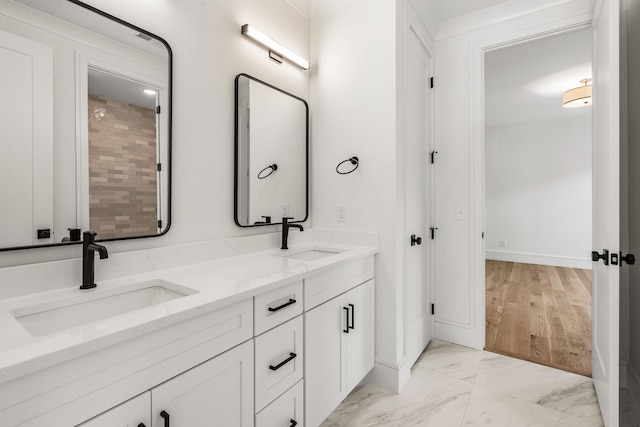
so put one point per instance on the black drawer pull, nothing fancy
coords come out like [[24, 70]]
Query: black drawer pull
[[141, 425], [284, 362], [353, 316], [294, 423], [165, 416], [346, 322], [280, 307]]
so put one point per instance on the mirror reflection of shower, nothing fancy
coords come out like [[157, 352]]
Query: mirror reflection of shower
[[123, 156]]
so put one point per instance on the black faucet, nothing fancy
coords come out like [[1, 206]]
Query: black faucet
[[89, 248], [285, 230]]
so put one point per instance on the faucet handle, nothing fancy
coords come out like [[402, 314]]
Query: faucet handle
[[89, 235]]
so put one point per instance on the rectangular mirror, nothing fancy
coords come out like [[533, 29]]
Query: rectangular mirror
[[85, 127], [271, 154]]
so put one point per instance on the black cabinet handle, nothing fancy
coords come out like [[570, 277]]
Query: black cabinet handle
[[165, 416], [353, 311], [284, 362], [280, 307], [294, 423], [141, 425], [346, 323]]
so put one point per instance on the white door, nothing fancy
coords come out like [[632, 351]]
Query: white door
[[418, 268], [606, 202], [26, 135], [217, 392]]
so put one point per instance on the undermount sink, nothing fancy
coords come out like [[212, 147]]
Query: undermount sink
[[312, 254], [99, 304]]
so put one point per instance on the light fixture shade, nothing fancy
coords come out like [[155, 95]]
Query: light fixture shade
[[274, 46], [579, 96]]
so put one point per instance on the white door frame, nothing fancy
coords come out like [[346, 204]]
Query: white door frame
[[477, 142]]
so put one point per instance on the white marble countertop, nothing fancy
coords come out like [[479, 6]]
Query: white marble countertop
[[218, 283]]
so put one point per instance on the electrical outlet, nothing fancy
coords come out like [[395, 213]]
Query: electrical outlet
[[341, 213], [503, 243], [285, 209]]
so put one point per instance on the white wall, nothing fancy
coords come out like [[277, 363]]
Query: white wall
[[353, 89], [209, 52], [538, 192]]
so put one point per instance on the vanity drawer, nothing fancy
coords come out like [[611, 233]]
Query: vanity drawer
[[279, 361], [278, 306], [285, 411], [324, 286]]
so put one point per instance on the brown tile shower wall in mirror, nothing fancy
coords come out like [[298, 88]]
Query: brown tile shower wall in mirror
[[271, 154], [85, 135]]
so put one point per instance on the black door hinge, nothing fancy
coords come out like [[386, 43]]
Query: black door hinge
[[433, 232], [159, 223], [433, 309], [159, 167], [433, 156], [158, 109], [431, 82]]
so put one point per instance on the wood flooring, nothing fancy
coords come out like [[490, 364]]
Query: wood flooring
[[539, 313]]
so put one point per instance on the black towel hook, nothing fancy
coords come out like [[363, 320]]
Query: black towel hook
[[269, 169], [353, 160]]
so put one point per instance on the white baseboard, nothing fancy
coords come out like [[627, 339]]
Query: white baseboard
[[528, 258], [392, 379]]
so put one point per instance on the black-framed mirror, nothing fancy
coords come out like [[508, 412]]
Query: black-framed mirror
[[85, 134], [271, 154]]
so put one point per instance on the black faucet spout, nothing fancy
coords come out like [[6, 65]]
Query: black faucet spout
[[285, 231], [89, 248]]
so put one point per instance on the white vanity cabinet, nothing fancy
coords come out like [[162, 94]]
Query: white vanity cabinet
[[279, 357], [339, 346], [216, 392], [134, 412]]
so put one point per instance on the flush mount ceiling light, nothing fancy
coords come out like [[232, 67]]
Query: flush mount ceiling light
[[578, 96], [150, 91], [274, 47]]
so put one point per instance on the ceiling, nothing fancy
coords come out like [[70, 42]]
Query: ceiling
[[445, 9], [525, 82], [450, 9]]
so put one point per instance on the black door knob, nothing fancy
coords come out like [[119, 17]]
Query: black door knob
[[629, 259], [415, 240], [595, 256]]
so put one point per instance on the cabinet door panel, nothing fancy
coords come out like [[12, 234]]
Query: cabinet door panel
[[325, 383], [360, 351], [131, 413], [218, 392]]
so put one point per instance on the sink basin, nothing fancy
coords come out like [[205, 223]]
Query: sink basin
[[57, 315], [312, 254]]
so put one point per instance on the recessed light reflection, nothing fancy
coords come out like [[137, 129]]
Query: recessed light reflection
[[150, 91]]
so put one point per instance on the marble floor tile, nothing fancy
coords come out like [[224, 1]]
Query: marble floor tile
[[428, 399], [454, 386], [491, 408], [552, 388], [450, 359]]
